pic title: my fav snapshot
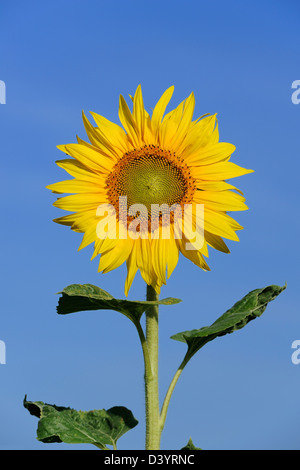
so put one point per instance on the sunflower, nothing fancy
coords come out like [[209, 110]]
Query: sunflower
[[152, 162]]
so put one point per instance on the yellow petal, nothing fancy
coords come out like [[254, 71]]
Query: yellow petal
[[113, 133], [220, 171], [89, 237], [220, 224], [214, 138], [77, 202], [167, 131], [115, 257], [138, 112], [128, 122], [90, 131], [185, 122], [160, 108], [99, 141], [172, 256], [83, 219], [80, 221], [210, 154], [75, 168], [145, 259], [103, 245], [221, 200], [131, 269], [77, 186], [216, 242], [193, 255], [199, 135], [216, 186], [65, 220], [165, 256], [160, 259], [88, 157]]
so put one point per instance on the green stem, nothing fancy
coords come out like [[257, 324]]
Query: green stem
[[147, 363], [151, 377], [166, 402]]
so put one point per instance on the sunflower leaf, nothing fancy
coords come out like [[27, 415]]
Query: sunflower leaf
[[97, 427], [78, 298], [245, 310], [190, 446]]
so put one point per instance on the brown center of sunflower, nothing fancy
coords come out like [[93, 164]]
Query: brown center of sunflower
[[148, 176]]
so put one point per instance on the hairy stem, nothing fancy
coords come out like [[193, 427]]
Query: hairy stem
[[151, 378], [147, 362]]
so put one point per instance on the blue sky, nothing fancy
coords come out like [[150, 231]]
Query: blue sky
[[240, 59]]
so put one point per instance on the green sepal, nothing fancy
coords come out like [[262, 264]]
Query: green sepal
[[245, 310], [78, 298], [190, 446], [97, 427]]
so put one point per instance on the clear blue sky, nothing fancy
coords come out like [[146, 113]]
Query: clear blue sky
[[240, 58]]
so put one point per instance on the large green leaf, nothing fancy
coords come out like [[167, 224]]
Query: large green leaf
[[78, 298], [97, 427], [245, 310]]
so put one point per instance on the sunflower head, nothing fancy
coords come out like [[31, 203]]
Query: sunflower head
[[151, 189]]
